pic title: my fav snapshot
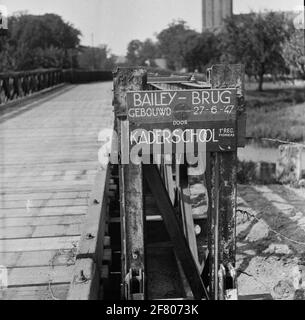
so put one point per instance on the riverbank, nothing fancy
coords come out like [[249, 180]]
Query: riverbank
[[277, 113], [270, 242]]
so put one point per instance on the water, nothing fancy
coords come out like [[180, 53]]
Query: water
[[256, 153]]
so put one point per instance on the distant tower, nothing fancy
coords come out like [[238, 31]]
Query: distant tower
[[214, 12]]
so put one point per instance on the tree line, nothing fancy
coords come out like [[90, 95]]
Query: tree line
[[47, 41], [268, 44]]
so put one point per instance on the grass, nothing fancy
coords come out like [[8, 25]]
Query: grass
[[277, 113]]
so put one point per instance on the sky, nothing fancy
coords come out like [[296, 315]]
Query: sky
[[117, 22]]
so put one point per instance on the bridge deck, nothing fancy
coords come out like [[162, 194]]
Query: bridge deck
[[48, 160]]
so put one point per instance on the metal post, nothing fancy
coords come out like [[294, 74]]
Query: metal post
[[223, 171], [131, 190]]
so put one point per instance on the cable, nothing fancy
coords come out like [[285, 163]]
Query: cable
[[250, 215], [278, 141], [285, 142]]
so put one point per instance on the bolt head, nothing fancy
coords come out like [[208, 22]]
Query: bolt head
[[197, 230], [89, 236]]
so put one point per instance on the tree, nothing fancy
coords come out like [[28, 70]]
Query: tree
[[294, 53], [150, 51], [172, 43], [142, 53], [134, 52], [39, 42], [200, 50], [98, 58], [256, 40], [186, 48]]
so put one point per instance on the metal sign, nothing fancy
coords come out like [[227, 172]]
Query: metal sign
[[190, 116]]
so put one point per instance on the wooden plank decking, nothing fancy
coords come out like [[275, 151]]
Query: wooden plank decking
[[48, 161]]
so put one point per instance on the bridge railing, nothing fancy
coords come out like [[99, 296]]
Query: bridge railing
[[86, 76], [16, 85]]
